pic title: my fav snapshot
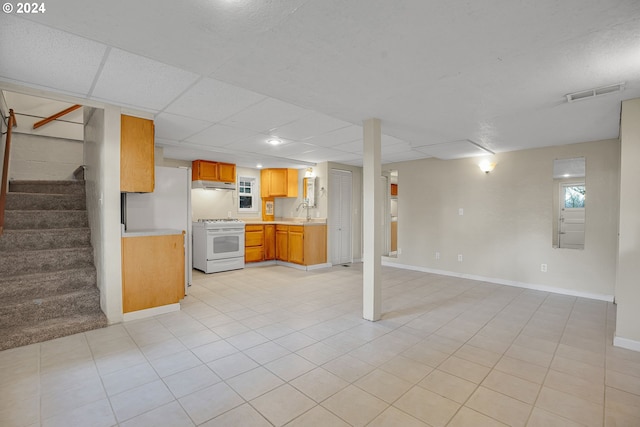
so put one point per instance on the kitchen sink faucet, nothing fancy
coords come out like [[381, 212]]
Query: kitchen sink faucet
[[305, 204]]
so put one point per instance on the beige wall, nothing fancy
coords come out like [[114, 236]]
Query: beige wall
[[102, 175], [627, 287], [44, 157], [505, 232]]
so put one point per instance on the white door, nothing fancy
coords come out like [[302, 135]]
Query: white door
[[572, 215], [339, 220]]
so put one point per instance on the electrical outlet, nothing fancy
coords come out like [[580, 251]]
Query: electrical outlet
[[543, 268], [437, 255], [459, 257], [460, 211], [399, 251]]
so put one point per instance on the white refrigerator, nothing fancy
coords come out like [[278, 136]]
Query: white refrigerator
[[169, 206]]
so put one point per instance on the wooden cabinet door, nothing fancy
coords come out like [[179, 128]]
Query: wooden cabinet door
[[282, 243], [394, 189], [296, 244], [152, 271], [253, 237], [278, 184], [269, 242], [226, 172], [206, 171], [137, 168]]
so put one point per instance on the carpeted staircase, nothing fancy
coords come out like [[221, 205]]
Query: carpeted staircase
[[47, 277]]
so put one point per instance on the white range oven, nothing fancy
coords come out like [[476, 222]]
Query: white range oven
[[218, 245]]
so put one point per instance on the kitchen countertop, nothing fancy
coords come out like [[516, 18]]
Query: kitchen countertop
[[151, 232], [288, 221]]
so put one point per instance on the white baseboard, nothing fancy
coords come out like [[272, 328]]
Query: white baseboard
[[149, 312], [626, 343], [533, 286]]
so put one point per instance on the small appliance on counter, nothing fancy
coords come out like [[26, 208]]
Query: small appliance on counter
[[218, 245]]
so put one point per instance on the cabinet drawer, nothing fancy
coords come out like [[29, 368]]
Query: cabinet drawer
[[253, 238], [296, 229], [255, 254], [280, 227], [250, 227]]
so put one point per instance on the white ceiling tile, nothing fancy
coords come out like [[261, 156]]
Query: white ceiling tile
[[351, 147], [323, 154], [44, 57], [401, 147], [452, 150], [177, 128], [220, 135], [213, 101], [309, 126], [404, 156], [267, 115], [336, 137], [128, 79]]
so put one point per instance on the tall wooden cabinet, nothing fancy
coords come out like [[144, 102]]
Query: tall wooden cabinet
[[137, 168]]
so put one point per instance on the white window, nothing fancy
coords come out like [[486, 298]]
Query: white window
[[248, 198]]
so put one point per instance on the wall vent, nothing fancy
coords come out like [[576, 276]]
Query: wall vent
[[591, 93]]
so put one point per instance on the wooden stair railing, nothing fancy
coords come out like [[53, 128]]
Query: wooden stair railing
[[5, 167]]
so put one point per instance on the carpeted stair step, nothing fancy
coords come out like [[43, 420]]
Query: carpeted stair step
[[52, 328], [41, 285], [50, 187], [39, 202], [25, 262], [22, 240], [84, 301], [22, 220]]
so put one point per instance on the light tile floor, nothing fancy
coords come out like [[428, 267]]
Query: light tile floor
[[278, 346]]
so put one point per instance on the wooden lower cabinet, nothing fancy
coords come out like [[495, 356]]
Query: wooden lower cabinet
[[298, 244], [253, 243], [269, 242], [152, 271], [282, 242]]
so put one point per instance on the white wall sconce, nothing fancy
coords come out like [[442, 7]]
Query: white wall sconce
[[309, 173], [486, 166]]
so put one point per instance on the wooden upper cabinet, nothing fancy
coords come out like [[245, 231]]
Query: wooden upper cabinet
[[137, 168], [279, 183], [213, 171]]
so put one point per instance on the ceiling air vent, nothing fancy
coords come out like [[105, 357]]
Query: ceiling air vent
[[591, 93]]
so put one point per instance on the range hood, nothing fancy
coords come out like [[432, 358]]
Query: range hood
[[214, 185]]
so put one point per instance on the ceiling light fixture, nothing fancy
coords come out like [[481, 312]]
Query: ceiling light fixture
[[274, 141], [486, 166], [259, 165], [592, 93]]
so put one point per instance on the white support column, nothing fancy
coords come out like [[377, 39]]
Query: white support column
[[371, 277]]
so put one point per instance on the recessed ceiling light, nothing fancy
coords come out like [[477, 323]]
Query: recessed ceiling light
[[274, 141], [259, 165]]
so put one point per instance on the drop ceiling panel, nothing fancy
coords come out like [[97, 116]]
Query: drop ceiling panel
[[404, 156], [177, 128], [267, 115], [220, 135], [452, 150], [323, 154], [309, 126], [337, 137], [128, 79], [351, 147], [213, 101], [44, 57]]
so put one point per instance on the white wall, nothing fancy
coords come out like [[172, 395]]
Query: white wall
[[35, 157], [627, 289], [206, 203], [506, 230], [102, 175]]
